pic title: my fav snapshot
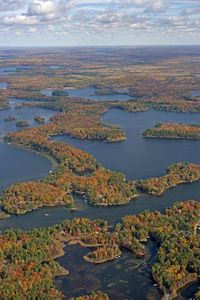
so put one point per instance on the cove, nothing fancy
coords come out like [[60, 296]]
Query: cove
[[124, 278], [18, 164], [139, 157]]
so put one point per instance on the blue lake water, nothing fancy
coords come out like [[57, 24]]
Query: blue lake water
[[195, 93], [19, 164], [89, 93], [3, 85], [139, 157]]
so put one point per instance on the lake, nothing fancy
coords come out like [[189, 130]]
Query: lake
[[137, 158], [19, 164], [89, 93]]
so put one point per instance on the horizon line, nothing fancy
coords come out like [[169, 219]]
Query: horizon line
[[101, 46]]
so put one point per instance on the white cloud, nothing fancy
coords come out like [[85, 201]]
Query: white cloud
[[20, 20], [41, 13], [32, 29], [190, 11], [99, 19], [155, 6], [38, 7], [8, 5]]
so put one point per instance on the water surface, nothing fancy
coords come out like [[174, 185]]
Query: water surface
[[19, 164], [89, 93], [119, 278], [195, 93], [139, 157]]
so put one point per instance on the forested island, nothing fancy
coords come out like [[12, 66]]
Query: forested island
[[39, 119], [103, 254], [4, 102], [22, 124], [173, 131], [176, 174], [10, 118], [60, 93]]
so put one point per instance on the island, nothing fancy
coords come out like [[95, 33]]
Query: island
[[173, 131], [22, 124], [176, 173], [10, 118], [4, 102], [39, 119], [60, 93], [103, 254]]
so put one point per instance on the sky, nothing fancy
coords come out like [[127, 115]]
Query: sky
[[99, 23]]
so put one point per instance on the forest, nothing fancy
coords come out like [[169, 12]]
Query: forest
[[94, 296], [39, 119], [155, 78], [102, 187], [176, 173], [22, 124], [173, 131], [27, 257]]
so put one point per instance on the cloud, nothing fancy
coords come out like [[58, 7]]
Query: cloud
[[8, 5], [41, 12], [41, 8], [99, 19], [32, 29], [20, 20], [158, 6], [57, 7], [153, 6], [190, 11]]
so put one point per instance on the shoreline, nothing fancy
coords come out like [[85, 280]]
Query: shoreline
[[166, 189], [91, 260], [168, 296], [48, 156], [170, 138]]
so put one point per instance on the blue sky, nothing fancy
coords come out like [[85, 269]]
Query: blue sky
[[99, 23]]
